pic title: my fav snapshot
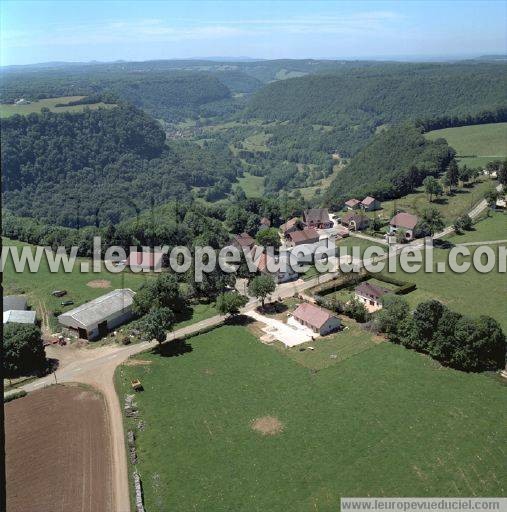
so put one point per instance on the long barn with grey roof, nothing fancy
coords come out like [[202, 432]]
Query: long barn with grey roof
[[95, 318]]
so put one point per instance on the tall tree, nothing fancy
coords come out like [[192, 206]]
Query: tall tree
[[261, 287], [453, 173], [157, 322]]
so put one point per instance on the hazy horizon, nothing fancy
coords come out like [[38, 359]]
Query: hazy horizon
[[81, 31]]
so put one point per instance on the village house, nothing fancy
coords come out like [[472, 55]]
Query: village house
[[304, 236], [352, 204], [97, 317], [317, 218], [290, 226], [316, 318], [145, 260], [355, 221], [370, 204], [243, 241], [404, 221], [370, 295]]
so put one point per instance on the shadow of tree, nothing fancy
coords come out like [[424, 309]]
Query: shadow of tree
[[241, 320], [173, 348]]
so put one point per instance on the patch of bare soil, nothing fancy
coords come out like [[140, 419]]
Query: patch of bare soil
[[136, 362], [267, 425], [99, 283], [58, 452]]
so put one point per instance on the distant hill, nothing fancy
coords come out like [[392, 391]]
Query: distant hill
[[391, 165], [384, 94]]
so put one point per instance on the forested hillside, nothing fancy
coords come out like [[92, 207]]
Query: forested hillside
[[100, 166], [394, 163], [385, 95], [164, 95]]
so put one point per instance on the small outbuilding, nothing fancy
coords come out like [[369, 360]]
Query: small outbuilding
[[316, 318], [352, 204], [19, 317], [97, 317]]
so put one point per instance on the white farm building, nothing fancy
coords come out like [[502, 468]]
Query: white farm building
[[95, 318]]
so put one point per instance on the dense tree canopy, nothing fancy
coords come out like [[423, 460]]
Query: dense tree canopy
[[22, 350]]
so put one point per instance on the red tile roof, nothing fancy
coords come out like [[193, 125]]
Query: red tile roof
[[352, 202], [243, 240], [307, 235], [367, 201], [289, 224], [404, 220], [370, 290], [312, 315]]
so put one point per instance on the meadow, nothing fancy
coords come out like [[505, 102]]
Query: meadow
[[50, 103], [475, 145], [451, 207], [253, 186], [232, 424]]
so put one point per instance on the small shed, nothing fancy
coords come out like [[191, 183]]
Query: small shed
[[97, 317], [352, 204], [19, 317]]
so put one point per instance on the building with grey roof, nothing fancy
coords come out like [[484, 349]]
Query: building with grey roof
[[97, 317], [14, 302], [19, 317]]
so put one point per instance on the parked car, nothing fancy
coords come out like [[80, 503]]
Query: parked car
[[67, 303], [59, 293]]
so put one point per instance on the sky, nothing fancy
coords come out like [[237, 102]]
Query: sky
[[46, 31]]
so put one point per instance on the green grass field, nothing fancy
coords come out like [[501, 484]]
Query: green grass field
[[386, 422], [476, 145], [36, 106], [253, 186], [38, 287], [451, 207]]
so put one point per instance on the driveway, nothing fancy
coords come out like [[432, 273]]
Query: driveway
[[290, 334]]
